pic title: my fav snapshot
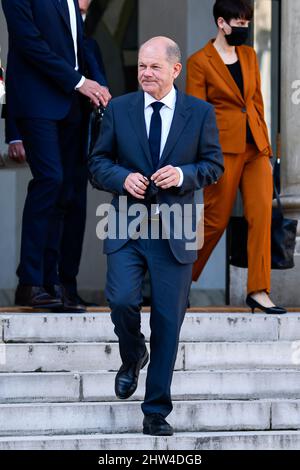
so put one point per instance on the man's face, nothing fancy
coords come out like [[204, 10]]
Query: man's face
[[156, 74]]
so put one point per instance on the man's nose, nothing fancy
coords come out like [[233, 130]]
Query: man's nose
[[148, 72]]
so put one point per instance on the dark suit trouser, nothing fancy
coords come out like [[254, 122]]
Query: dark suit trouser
[[75, 218], [73, 232], [170, 284], [54, 151]]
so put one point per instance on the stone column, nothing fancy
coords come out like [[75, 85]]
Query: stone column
[[285, 284], [290, 108]]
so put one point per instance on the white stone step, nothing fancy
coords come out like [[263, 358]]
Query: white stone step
[[97, 327], [274, 354], [126, 417], [191, 385], [246, 440], [284, 409], [59, 357], [39, 387]]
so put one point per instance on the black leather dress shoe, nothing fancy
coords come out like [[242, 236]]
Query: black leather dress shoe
[[36, 297], [253, 304], [156, 425], [68, 303], [127, 378], [79, 300]]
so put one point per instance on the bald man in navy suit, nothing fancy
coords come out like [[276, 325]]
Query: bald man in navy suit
[[156, 147]]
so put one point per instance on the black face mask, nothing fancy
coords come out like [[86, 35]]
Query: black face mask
[[238, 35]]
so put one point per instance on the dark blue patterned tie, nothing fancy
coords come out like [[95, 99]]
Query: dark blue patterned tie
[[155, 133]]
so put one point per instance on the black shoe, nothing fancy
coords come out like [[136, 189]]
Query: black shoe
[[127, 377], [81, 301], [68, 303], [253, 304], [35, 297], [156, 425]]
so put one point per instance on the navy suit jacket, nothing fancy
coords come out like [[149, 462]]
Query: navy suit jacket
[[11, 128], [96, 71], [41, 75], [123, 148]]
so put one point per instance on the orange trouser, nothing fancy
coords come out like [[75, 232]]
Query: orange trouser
[[251, 172]]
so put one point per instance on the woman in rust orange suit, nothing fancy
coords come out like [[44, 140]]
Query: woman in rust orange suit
[[226, 74]]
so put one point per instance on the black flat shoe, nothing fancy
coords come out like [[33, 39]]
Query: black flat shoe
[[156, 425], [127, 378], [253, 304]]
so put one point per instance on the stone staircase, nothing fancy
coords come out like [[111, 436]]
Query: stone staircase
[[236, 384]]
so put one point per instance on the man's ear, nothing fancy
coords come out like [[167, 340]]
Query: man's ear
[[177, 69]]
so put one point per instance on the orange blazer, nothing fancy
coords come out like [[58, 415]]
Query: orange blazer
[[209, 79]]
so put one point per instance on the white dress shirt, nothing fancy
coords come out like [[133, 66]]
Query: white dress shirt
[[73, 22], [167, 114]]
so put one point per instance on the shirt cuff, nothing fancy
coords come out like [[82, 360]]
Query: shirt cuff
[[17, 141], [80, 83], [180, 177]]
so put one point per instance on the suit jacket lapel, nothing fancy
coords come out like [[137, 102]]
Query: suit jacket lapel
[[137, 116], [221, 69], [180, 119], [63, 13]]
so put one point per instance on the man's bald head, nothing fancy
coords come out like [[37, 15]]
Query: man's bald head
[[171, 48], [158, 66]]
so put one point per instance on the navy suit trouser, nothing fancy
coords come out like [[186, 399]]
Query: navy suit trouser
[[73, 231], [54, 153], [170, 284]]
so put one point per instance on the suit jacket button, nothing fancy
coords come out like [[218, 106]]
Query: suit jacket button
[[244, 110]]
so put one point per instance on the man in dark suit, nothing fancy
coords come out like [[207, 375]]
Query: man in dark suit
[[46, 87], [75, 220], [156, 146]]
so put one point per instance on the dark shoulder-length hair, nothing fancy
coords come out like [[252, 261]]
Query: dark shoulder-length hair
[[233, 9]]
